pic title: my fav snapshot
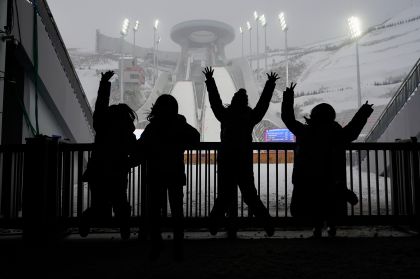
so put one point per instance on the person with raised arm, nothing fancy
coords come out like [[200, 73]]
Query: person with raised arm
[[320, 193], [109, 163], [235, 159]]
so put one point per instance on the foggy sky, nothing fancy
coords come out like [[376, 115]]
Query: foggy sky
[[308, 20]]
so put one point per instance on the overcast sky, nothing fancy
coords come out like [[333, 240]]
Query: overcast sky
[[308, 20]]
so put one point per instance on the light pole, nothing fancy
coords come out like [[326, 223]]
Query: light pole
[[285, 28], [264, 25], [157, 54], [124, 31], [135, 28], [155, 28], [355, 32], [256, 18], [248, 25], [242, 39]]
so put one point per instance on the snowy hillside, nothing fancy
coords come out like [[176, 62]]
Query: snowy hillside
[[324, 71], [387, 54]]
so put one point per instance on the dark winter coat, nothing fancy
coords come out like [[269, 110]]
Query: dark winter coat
[[114, 142], [237, 124], [319, 172], [163, 144]]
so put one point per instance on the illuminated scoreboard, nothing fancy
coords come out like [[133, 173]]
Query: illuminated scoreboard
[[278, 135]]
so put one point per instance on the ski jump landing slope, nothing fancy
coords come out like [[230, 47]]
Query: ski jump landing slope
[[183, 92], [226, 87]]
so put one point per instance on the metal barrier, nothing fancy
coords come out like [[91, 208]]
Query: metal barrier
[[407, 87], [385, 177]]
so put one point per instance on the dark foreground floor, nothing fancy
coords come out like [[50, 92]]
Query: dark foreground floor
[[105, 256]]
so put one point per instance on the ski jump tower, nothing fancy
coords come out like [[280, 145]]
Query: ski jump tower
[[202, 44]]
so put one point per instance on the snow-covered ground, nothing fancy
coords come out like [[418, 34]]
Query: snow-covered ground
[[386, 56]]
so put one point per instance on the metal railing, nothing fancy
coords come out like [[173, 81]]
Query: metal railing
[[407, 87], [384, 176]]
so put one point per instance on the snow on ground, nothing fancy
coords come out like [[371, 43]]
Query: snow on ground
[[386, 56]]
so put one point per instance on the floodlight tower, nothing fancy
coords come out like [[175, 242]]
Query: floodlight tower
[[157, 53], [256, 18], [355, 32], [248, 25], [124, 31], [284, 28], [155, 28], [135, 28], [263, 22], [242, 39]]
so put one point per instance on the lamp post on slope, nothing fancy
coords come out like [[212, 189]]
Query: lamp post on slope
[[264, 25], [355, 32], [124, 31], [284, 28], [248, 25], [242, 39]]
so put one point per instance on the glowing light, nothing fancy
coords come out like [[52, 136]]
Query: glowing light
[[355, 27], [282, 21]]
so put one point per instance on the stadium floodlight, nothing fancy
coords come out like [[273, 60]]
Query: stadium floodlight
[[136, 25], [135, 28], [285, 28], [263, 21], [354, 26], [257, 18], [155, 45], [355, 33], [241, 31], [282, 22], [248, 25], [124, 28]]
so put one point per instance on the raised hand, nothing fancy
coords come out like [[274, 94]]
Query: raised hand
[[208, 72], [272, 77], [107, 76], [290, 91], [366, 109]]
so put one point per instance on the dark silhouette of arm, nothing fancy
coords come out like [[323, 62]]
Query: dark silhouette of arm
[[352, 130], [102, 101], [263, 103], [288, 113], [214, 96]]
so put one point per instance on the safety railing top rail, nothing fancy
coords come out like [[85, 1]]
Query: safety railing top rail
[[401, 96], [217, 145]]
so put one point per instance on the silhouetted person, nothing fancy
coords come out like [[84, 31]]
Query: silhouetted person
[[110, 161], [236, 155], [319, 174], [163, 143]]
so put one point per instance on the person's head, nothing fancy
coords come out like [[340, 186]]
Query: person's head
[[165, 107], [239, 99], [322, 114], [122, 117]]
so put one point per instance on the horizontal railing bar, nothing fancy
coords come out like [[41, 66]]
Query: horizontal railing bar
[[263, 146]]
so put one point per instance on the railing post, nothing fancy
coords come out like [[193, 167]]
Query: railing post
[[40, 190], [415, 183], [144, 193], [6, 185]]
